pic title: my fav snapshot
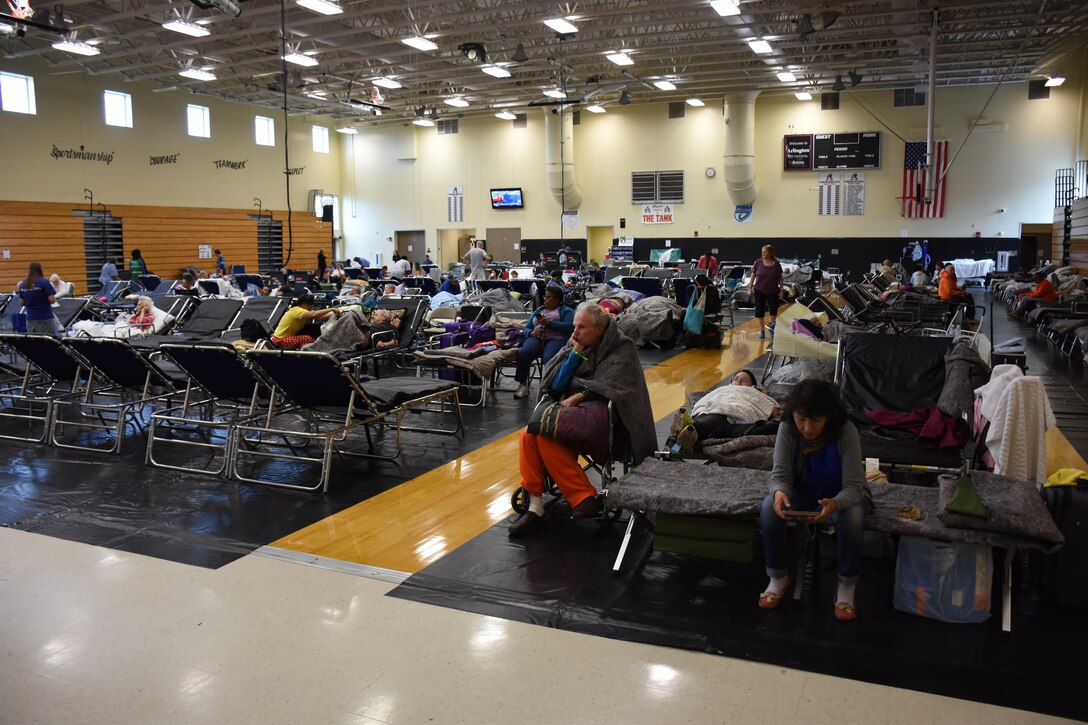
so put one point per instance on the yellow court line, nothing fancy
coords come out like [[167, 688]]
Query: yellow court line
[[421, 520]]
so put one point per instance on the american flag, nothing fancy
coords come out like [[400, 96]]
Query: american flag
[[914, 180]]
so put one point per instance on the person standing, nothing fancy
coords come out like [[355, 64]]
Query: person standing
[[765, 287], [322, 263], [476, 259], [220, 263], [37, 296], [710, 263], [136, 265], [108, 274]]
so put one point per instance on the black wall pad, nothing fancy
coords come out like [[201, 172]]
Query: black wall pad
[[562, 578]]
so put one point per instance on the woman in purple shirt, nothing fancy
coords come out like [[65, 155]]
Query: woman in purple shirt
[[765, 287], [37, 296]]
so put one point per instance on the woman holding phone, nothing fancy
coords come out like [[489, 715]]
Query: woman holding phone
[[547, 331], [818, 474]]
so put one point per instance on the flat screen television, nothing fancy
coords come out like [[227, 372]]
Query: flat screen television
[[507, 199]]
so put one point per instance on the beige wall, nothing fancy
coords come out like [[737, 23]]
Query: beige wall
[[70, 115], [1013, 170]]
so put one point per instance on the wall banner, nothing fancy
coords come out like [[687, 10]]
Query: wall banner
[[853, 193], [232, 165], [830, 194], [81, 154], [743, 213], [657, 213], [166, 159]]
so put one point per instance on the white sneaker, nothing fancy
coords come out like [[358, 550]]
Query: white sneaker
[[522, 391]]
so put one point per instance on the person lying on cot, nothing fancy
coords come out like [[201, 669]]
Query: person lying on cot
[[383, 328], [597, 365], [288, 334], [818, 476], [740, 402]]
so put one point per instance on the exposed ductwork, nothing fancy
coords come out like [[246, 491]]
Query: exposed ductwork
[[740, 146], [559, 158]]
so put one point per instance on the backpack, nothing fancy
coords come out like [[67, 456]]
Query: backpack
[[254, 330]]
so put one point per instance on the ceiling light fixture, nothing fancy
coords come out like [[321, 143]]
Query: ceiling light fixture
[[387, 83], [324, 7], [77, 47], [619, 58], [456, 102], [561, 26], [803, 96], [520, 56], [595, 109], [838, 85], [505, 115], [300, 59], [186, 28], [473, 51], [197, 75], [725, 7], [1054, 81], [496, 71], [665, 85], [855, 77], [760, 46], [786, 77], [695, 102], [555, 93], [419, 43], [625, 98], [423, 122], [348, 130]]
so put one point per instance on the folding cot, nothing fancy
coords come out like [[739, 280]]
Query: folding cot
[[268, 310], [331, 402], [426, 285], [647, 286], [49, 374], [122, 388], [209, 320]]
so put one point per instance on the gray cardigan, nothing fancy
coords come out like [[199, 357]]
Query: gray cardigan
[[854, 486]]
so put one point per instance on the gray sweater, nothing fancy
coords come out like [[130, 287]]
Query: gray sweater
[[784, 474]]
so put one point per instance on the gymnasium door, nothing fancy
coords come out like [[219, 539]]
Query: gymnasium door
[[504, 243], [411, 244], [599, 242]]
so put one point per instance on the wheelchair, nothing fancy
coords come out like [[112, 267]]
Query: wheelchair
[[618, 456]]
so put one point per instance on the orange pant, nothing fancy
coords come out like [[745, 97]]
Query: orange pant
[[539, 453]]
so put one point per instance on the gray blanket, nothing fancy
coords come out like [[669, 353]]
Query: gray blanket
[[482, 365], [350, 331], [1015, 507], [653, 319], [835, 330], [756, 452], [964, 372], [683, 488], [1064, 327], [613, 371], [499, 300]]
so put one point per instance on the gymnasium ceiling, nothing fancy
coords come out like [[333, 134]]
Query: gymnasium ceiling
[[705, 55]]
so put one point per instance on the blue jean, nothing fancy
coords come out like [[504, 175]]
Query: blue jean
[[530, 350], [849, 539]]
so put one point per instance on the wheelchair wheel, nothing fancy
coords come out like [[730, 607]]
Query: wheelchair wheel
[[520, 501]]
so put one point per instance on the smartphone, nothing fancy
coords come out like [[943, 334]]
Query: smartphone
[[791, 513]]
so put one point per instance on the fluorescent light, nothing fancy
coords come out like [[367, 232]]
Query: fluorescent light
[[595, 109], [505, 115], [494, 70], [325, 7], [419, 43], [1053, 81], [300, 59], [620, 58], [74, 46], [6, 29], [786, 77], [423, 122], [695, 102], [560, 25], [803, 96], [759, 46], [555, 93], [725, 7], [387, 83], [197, 75], [348, 130], [665, 85], [456, 102], [186, 28]]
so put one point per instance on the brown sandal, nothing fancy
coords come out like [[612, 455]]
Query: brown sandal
[[770, 600]]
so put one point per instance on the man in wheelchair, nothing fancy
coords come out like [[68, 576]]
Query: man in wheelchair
[[597, 365]]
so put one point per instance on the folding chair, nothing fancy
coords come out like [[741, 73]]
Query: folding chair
[[50, 373], [222, 390], [332, 402], [122, 387]]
